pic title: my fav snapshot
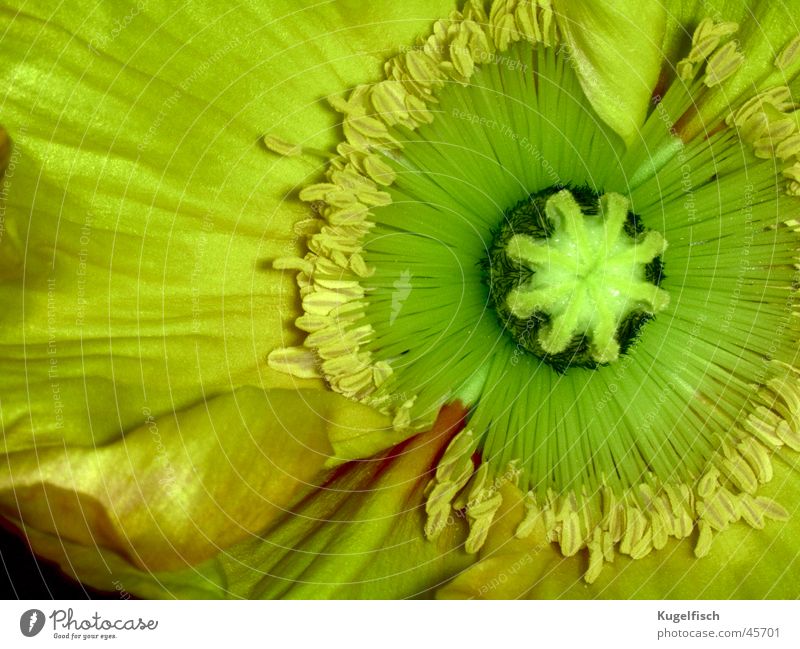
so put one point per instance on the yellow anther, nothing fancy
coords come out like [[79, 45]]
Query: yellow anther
[[705, 41], [402, 417], [318, 192], [789, 435], [323, 302], [482, 505], [359, 266], [717, 510], [456, 463], [460, 55], [571, 537], [354, 213], [762, 423], [312, 323], [369, 127], [474, 10], [635, 528], [505, 32], [793, 172], [753, 127], [660, 527], [788, 148], [616, 525], [687, 70], [533, 517], [708, 36], [293, 263], [757, 457], [644, 545], [381, 372], [423, 69], [771, 509], [379, 170], [740, 474], [388, 99], [596, 557], [479, 46], [608, 547], [527, 21]]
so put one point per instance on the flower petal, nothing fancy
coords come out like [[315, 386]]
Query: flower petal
[[105, 570], [360, 534], [616, 50], [142, 213], [180, 488]]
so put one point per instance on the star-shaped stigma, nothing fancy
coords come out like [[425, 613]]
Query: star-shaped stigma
[[588, 276]]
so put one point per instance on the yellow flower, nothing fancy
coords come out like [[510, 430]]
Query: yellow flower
[[148, 264]]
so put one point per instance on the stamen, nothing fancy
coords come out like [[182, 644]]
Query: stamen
[[452, 474], [768, 123], [297, 361], [723, 64]]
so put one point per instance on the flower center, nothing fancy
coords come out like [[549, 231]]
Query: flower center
[[676, 437], [574, 283]]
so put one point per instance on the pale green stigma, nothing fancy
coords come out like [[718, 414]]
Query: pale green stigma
[[581, 283]]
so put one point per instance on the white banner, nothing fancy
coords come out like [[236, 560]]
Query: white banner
[[400, 624]]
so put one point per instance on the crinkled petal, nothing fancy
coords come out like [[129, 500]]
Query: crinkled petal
[[103, 569], [143, 214], [616, 49], [140, 219]]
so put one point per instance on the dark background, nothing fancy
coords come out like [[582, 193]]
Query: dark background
[[23, 576]]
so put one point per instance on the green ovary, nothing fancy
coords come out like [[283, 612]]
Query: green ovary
[[587, 277]]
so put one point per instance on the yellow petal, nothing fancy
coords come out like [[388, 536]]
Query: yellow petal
[[141, 220], [509, 566]]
